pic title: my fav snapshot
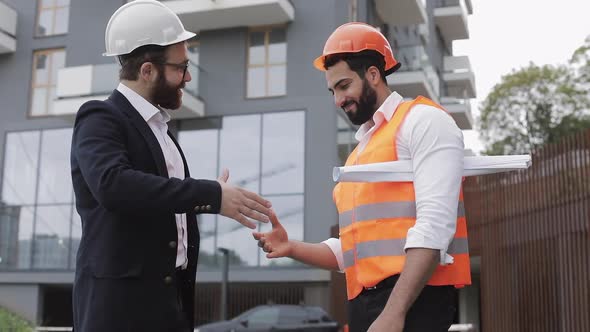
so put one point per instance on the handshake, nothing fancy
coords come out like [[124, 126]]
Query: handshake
[[240, 204]]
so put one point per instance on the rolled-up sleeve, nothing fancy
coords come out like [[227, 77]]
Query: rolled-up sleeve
[[336, 247], [436, 148]]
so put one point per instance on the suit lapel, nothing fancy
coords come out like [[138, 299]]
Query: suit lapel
[[124, 105]]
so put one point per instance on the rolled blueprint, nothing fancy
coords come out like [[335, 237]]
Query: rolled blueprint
[[401, 170]]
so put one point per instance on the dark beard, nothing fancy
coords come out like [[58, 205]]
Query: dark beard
[[166, 95], [365, 107]]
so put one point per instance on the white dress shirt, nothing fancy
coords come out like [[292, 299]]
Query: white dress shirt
[[431, 139], [157, 121]]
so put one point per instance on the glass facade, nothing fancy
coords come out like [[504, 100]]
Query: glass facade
[[264, 156], [39, 228]]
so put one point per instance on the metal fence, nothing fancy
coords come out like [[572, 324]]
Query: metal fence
[[532, 231]]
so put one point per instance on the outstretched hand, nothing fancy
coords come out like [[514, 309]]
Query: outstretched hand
[[276, 242], [240, 204]]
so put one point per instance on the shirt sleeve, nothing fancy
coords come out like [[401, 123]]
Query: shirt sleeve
[[336, 247], [435, 145]]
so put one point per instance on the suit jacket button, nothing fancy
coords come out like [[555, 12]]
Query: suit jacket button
[[208, 207], [172, 244], [197, 208], [168, 280]]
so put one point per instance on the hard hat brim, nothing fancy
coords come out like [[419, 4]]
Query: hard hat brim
[[184, 36]]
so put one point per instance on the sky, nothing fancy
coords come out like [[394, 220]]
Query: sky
[[508, 34]]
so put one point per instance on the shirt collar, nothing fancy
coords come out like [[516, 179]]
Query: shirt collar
[[144, 107], [384, 113]]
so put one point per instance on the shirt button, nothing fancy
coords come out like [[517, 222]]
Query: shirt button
[[168, 280], [172, 244]]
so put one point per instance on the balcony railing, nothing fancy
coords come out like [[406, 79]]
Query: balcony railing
[[460, 110], [76, 85], [416, 75], [458, 76], [451, 18], [197, 15], [401, 12]]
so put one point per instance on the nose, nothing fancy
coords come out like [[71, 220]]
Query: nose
[[339, 99], [187, 76]]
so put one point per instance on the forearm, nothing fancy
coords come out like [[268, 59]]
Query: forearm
[[419, 267], [316, 254]]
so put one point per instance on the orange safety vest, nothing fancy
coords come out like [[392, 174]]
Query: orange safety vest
[[374, 218]]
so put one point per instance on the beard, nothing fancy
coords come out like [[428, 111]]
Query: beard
[[167, 95], [365, 106]]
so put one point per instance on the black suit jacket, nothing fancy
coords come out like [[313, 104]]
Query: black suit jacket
[[125, 267]]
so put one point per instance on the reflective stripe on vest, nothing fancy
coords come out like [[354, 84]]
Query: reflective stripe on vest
[[384, 211], [395, 247]]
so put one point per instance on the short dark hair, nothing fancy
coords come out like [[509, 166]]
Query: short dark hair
[[131, 62], [359, 62]]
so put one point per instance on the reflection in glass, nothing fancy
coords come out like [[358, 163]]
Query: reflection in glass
[[39, 103], [283, 145], [41, 69], [58, 61], [256, 54], [256, 82], [55, 184], [44, 22], [238, 239], [20, 168], [75, 237], [200, 150], [61, 20], [277, 80], [289, 210], [239, 150], [207, 252], [277, 48], [16, 231], [51, 240]]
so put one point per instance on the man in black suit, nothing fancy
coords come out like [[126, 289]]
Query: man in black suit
[[136, 264]]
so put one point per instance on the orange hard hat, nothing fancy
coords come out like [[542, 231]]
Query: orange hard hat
[[355, 37]]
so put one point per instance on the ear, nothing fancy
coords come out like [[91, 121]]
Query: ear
[[148, 72], [373, 76]]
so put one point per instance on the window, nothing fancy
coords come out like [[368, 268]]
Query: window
[[267, 63], [39, 227], [46, 64], [263, 156], [263, 318], [52, 17]]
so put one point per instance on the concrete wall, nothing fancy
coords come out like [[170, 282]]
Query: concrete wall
[[23, 300]]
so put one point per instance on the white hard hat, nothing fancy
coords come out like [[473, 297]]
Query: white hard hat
[[143, 22]]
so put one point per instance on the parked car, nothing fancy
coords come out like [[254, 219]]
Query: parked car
[[282, 317]]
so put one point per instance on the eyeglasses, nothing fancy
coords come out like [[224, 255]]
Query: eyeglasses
[[179, 66]]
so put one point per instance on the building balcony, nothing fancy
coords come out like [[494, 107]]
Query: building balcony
[[8, 17], [77, 85], [416, 75], [458, 77], [451, 18], [401, 12], [460, 110], [197, 15]]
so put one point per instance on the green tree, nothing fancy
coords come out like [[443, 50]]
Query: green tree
[[12, 322], [536, 105]]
